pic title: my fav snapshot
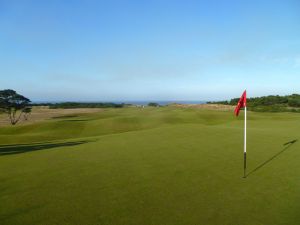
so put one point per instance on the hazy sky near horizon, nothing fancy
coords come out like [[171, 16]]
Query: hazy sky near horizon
[[149, 50]]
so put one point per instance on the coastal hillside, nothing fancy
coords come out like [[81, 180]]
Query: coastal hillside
[[271, 103]]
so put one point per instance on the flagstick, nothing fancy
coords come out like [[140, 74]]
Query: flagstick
[[245, 143]]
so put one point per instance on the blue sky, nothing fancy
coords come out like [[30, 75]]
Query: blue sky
[[149, 50]]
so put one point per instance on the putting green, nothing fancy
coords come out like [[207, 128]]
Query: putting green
[[151, 166]]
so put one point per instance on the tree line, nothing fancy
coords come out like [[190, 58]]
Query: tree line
[[73, 105]]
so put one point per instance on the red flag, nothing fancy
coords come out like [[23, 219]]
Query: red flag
[[241, 104]]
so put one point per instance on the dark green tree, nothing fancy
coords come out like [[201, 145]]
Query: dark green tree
[[11, 103], [26, 112]]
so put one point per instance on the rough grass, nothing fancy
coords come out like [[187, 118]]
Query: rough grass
[[151, 166]]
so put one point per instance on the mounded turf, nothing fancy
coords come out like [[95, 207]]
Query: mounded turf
[[155, 166]]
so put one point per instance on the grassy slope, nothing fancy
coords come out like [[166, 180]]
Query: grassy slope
[[150, 166]]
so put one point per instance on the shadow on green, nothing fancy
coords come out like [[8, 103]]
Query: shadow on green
[[75, 120], [23, 148], [65, 117], [288, 145]]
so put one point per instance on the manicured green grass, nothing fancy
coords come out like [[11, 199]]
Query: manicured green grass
[[155, 166]]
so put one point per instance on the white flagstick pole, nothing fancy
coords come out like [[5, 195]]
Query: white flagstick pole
[[245, 143]]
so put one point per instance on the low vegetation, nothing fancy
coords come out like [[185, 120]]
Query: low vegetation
[[153, 104]]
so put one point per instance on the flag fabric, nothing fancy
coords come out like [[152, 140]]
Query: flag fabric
[[241, 104]]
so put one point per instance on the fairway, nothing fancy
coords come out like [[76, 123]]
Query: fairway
[[158, 166]]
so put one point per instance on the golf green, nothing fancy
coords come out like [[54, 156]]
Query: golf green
[[159, 166]]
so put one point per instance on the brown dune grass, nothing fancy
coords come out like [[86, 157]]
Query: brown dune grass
[[41, 113]]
